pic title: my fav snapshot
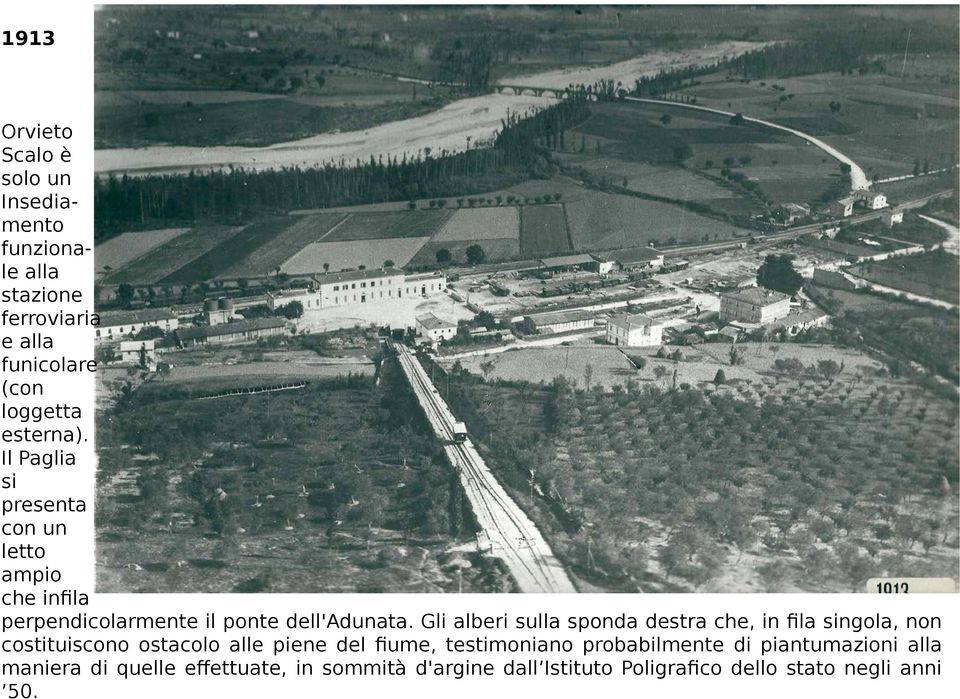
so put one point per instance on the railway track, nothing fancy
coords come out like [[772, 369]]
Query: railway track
[[512, 535]]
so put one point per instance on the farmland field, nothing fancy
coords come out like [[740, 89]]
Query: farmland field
[[782, 166], [607, 365], [215, 261], [934, 274], [543, 230], [481, 224], [265, 259], [603, 221], [351, 254], [388, 224], [862, 487], [244, 494], [885, 122], [116, 252], [170, 257], [495, 249]]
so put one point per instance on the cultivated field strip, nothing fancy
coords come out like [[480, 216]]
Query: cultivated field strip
[[231, 251], [265, 259], [513, 537], [123, 249], [346, 254], [480, 224], [370, 225], [169, 257], [543, 230]]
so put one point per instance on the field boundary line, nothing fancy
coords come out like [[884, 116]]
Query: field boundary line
[[331, 230], [566, 222]]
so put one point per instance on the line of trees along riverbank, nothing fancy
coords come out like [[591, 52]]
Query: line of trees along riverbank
[[238, 195]]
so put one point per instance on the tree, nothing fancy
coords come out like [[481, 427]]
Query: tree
[[666, 119], [682, 152], [736, 355], [320, 81], [485, 319], [737, 119], [326, 267], [125, 294], [290, 311], [719, 378], [587, 375], [777, 273], [475, 254], [443, 257], [388, 263]]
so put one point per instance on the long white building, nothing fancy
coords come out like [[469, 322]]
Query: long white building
[[345, 290]]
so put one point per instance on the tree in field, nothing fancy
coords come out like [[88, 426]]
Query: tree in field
[[443, 257], [326, 267], [736, 355], [666, 119], [587, 375], [682, 152], [719, 378], [777, 273], [737, 119], [475, 254], [486, 367], [125, 295], [320, 81], [388, 263]]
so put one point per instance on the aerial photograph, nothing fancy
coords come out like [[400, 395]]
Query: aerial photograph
[[571, 298]]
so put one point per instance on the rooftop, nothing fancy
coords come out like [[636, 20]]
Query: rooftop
[[567, 261], [628, 255], [357, 275], [756, 296], [145, 315], [629, 321], [234, 328], [554, 317], [432, 322]]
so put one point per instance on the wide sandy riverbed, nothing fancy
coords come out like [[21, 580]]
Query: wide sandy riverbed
[[453, 128]]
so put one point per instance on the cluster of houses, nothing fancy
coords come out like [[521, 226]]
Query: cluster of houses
[[873, 201], [374, 290]]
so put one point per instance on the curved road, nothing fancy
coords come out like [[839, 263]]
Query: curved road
[[858, 178]]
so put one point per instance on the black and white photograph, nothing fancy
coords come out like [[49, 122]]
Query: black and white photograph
[[510, 299]]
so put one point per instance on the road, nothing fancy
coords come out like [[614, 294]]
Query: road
[[952, 244], [513, 537], [858, 178]]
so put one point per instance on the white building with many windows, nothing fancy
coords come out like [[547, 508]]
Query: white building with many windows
[[346, 290], [754, 305]]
